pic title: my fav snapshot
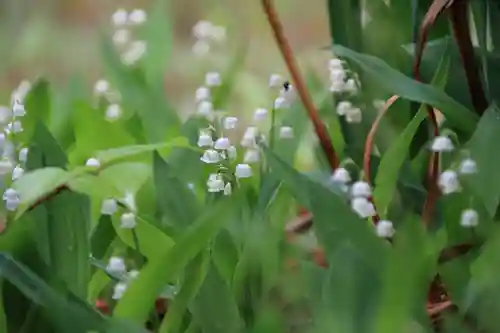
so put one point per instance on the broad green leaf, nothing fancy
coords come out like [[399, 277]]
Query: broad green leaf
[[394, 158], [94, 186], [126, 177], [3, 317], [225, 255], [397, 83], [115, 154], [224, 317], [486, 182], [36, 184], [175, 201], [141, 294], [152, 241], [68, 237], [102, 237], [194, 276], [78, 316]]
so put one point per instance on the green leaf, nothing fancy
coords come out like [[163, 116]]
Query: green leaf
[[127, 176], [141, 294], [38, 106], [36, 184], [152, 241], [68, 237], [486, 183], [175, 201], [394, 158], [405, 280], [397, 83], [78, 316], [94, 186], [158, 36], [195, 274], [224, 317], [93, 133], [324, 203], [115, 154]]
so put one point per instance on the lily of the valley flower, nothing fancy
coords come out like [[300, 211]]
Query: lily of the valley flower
[[23, 155], [260, 114], [243, 171], [116, 265], [127, 221], [137, 17], [385, 229], [286, 132], [448, 182], [17, 172], [469, 218], [109, 207], [442, 144], [341, 175], [215, 183], [119, 290], [468, 166], [93, 162], [211, 156], [205, 140], [213, 79], [230, 123], [363, 207], [202, 94], [222, 143], [361, 189]]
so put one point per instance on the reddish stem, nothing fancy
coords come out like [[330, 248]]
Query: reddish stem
[[370, 138], [437, 7], [299, 84]]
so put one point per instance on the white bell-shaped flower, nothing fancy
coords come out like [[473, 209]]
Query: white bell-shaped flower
[[468, 166], [469, 218], [243, 171], [361, 189], [222, 143], [442, 144], [127, 221], [211, 156], [116, 265], [448, 182], [93, 162], [385, 229], [109, 207], [341, 175], [230, 123], [363, 207], [205, 140], [215, 183], [286, 132]]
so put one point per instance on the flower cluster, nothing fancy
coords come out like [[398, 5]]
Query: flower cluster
[[13, 156], [131, 50], [449, 179], [344, 87], [360, 194], [111, 206], [117, 267], [206, 34]]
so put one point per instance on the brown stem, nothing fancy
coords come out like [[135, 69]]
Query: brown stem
[[460, 27], [287, 53], [437, 7]]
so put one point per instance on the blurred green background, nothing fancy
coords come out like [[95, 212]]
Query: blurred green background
[[57, 38]]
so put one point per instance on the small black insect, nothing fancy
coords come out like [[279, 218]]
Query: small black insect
[[286, 85]]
